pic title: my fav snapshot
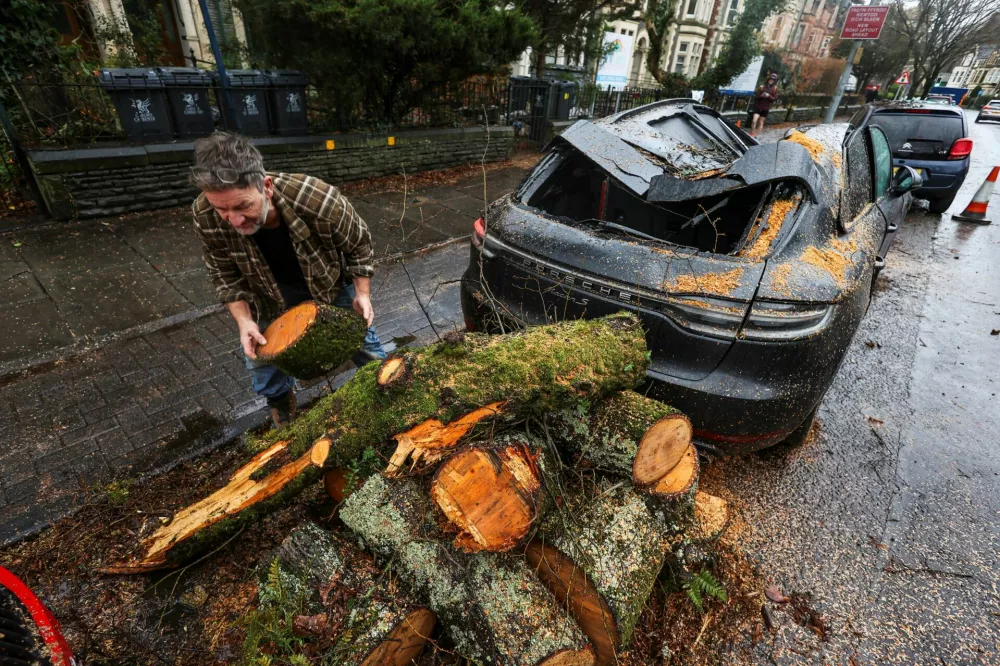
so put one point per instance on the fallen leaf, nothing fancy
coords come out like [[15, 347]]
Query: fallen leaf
[[995, 331], [17, 243], [774, 593], [872, 419], [310, 625]]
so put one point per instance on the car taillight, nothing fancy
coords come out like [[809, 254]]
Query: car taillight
[[714, 317], [478, 232], [785, 321], [961, 148]]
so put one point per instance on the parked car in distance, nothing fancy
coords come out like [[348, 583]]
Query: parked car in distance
[[750, 266], [931, 138], [990, 111], [940, 99]]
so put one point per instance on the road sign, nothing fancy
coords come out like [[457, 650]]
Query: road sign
[[904, 79], [864, 22]]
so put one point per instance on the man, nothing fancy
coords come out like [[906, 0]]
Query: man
[[271, 241], [765, 97]]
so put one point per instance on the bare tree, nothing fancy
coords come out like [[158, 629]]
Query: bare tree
[[939, 30]]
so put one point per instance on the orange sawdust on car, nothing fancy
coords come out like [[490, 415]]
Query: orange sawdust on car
[[837, 160], [722, 284], [814, 147], [779, 279], [835, 260], [775, 219]]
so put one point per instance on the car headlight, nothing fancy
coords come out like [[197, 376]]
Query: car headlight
[[769, 320]]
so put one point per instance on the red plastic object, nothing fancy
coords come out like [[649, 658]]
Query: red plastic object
[[48, 625]]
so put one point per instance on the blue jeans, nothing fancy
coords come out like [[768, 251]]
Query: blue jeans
[[272, 383]]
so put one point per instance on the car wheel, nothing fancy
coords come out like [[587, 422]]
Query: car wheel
[[940, 205], [799, 434]]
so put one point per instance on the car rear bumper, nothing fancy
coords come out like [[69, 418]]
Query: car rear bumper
[[942, 178], [756, 397]]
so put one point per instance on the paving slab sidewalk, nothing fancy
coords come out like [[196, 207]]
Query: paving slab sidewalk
[[143, 369]]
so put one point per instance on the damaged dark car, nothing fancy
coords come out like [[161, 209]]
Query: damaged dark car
[[749, 265]]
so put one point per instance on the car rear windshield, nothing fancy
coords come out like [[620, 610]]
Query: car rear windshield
[[928, 134]]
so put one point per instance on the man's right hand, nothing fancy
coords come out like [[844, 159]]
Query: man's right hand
[[250, 337]]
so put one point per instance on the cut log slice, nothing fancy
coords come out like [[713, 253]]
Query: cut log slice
[[681, 480], [600, 554], [338, 483], [490, 493], [383, 625], [392, 373], [660, 450], [491, 605], [312, 338]]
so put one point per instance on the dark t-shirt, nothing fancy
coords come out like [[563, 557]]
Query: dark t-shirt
[[279, 253]]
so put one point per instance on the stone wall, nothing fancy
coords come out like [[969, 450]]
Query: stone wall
[[94, 182]]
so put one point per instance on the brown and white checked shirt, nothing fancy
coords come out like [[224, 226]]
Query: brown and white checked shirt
[[328, 235]]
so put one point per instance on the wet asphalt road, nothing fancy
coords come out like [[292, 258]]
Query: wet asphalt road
[[889, 516]]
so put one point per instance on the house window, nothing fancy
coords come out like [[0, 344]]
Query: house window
[[683, 47], [777, 28], [623, 31], [809, 41], [798, 33], [734, 7], [680, 66], [815, 6], [824, 46], [630, 33], [692, 7]]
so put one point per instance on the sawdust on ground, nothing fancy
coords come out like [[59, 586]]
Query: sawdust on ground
[[775, 219], [814, 147], [835, 260], [722, 284]]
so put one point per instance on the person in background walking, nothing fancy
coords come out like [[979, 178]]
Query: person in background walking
[[765, 97]]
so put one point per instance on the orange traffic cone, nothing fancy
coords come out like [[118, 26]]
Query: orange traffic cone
[[976, 210]]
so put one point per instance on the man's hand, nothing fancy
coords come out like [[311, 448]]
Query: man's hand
[[363, 300], [250, 337]]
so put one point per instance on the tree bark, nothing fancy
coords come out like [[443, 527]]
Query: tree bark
[[634, 436], [600, 554], [491, 605], [356, 614], [475, 375], [311, 339]]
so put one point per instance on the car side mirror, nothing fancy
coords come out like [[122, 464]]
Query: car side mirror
[[906, 179]]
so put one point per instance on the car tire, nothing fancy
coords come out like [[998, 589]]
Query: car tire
[[798, 436], [940, 205]]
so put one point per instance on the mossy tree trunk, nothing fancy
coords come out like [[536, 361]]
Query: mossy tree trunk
[[600, 554], [463, 380], [491, 605], [634, 436], [312, 338], [350, 611]]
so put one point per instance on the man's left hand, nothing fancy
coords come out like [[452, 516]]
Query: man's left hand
[[363, 306]]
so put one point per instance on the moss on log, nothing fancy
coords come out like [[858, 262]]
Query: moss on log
[[472, 376], [312, 338], [491, 605], [600, 554], [352, 612]]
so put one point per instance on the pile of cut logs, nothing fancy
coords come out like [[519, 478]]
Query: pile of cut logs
[[526, 503]]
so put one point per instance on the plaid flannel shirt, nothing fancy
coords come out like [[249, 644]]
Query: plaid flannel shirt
[[328, 235]]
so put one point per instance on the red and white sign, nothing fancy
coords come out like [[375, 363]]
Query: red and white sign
[[904, 79], [864, 22]]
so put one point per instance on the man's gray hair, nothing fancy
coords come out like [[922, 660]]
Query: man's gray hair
[[224, 161]]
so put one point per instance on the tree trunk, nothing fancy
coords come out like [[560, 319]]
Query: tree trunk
[[311, 339], [538, 54], [347, 601], [631, 435], [493, 493], [600, 554], [490, 605], [539, 370]]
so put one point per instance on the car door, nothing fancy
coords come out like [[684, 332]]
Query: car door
[[893, 207]]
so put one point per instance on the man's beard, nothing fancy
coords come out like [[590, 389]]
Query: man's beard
[[265, 210]]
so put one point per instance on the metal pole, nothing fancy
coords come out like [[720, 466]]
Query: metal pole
[[831, 110], [229, 110]]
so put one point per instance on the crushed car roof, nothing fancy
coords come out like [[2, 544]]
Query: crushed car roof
[[676, 150]]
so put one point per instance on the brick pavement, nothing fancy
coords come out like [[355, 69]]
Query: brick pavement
[[135, 406]]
